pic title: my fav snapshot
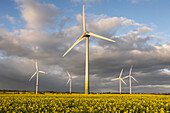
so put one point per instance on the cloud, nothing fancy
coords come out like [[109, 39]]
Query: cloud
[[38, 15], [113, 23], [64, 21], [11, 19], [151, 86], [144, 30], [133, 1], [11, 45], [83, 0], [106, 58], [101, 23], [136, 1]]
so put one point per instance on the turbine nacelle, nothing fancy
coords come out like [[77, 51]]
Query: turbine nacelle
[[70, 78], [119, 78], [85, 34]]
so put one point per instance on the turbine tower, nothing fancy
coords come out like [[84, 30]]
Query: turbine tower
[[86, 36], [69, 80], [120, 79], [130, 76], [37, 72]]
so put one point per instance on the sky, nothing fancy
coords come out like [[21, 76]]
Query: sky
[[45, 29]]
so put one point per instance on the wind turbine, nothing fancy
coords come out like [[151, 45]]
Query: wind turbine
[[120, 79], [37, 72], [69, 80], [86, 36], [130, 76]]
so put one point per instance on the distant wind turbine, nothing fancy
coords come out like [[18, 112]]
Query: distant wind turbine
[[130, 76], [37, 72], [120, 79], [86, 36], [69, 80]]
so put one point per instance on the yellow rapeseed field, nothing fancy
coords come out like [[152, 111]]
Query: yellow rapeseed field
[[81, 103]]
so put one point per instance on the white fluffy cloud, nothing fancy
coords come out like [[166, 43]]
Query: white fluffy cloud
[[11, 19], [38, 14], [83, 0], [135, 1], [112, 23], [102, 23]]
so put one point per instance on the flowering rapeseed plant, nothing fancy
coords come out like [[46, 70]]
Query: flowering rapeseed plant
[[135, 103]]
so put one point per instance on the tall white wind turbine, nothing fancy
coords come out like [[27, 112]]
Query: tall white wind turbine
[[130, 76], [86, 36], [120, 79], [37, 72]]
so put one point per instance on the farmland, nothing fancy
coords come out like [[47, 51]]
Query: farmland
[[85, 103]]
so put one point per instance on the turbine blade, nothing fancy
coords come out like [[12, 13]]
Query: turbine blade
[[123, 82], [121, 73], [68, 82], [43, 72], [74, 77], [125, 77], [68, 74], [79, 40], [134, 79], [115, 79], [130, 70], [32, 76], [98, 36], [84, 21]]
